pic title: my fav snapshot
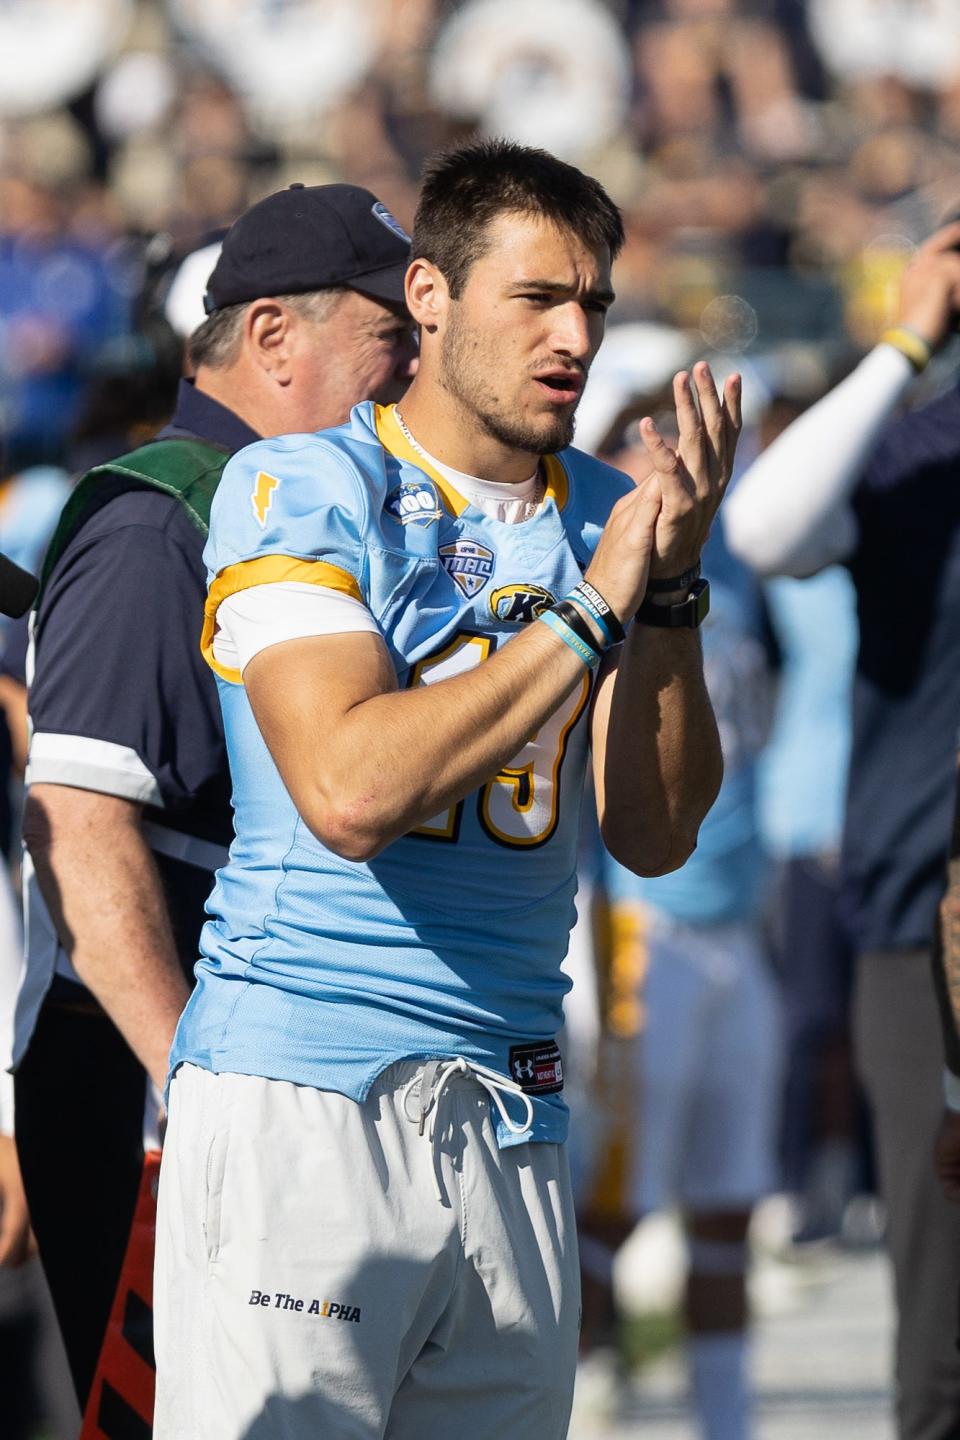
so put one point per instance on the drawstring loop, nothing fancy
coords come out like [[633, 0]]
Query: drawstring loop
[[433, 1080]]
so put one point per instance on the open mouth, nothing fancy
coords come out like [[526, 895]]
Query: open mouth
[[564, 388]]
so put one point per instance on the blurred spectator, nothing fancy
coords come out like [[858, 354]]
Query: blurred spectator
[[691, 1016], [841, 483], [703, 1134], [60, 298], [710, 67]]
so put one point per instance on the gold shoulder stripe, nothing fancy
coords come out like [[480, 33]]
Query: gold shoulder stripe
[[266, 570]]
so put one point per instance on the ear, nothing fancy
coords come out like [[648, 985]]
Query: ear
[[268, 328], [427, 294]]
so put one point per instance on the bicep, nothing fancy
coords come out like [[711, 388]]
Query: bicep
[[302, 692]]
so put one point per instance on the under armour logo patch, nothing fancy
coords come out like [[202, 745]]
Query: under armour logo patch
[[537, 1068]]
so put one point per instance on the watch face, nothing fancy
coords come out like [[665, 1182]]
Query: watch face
[[688, 615], [699, 601]]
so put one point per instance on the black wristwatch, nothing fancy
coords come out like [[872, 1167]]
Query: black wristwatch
[[687, 615]]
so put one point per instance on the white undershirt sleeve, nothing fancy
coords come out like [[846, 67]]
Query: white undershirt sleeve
[[790, 513], [264, 615]]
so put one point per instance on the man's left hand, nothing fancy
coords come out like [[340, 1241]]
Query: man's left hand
[[694, 477]]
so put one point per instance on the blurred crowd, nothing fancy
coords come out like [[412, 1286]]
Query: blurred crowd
[[776, 160], [777, 163]]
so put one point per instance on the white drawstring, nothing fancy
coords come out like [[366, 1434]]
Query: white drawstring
[[433, 1079]]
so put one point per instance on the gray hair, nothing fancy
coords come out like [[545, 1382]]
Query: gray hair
[[216, 343]]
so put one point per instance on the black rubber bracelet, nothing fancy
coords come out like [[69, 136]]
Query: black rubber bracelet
[[679, 582], [573, 616], [595, 601]]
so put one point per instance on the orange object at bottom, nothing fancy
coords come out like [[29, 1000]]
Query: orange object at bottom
[[120, 1406]]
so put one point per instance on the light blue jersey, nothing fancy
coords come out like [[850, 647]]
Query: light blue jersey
[[323, 971]]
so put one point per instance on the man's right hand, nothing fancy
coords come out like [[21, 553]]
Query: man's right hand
[[16, 1238], [930, 287]]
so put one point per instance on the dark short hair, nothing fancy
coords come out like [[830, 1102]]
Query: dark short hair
[[467, 188]]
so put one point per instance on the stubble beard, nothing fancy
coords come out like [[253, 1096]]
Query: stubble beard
[[463, 375]]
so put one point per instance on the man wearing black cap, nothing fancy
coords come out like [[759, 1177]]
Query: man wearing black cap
[[128, 808]]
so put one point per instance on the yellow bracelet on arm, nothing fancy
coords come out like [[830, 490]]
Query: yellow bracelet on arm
[[909, 343]]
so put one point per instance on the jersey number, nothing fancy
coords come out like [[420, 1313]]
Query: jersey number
[[520, 805]]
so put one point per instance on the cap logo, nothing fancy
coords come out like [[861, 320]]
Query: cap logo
[[390, 221]]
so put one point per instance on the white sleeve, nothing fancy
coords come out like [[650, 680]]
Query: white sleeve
[[90, 764], [263, 615], [790, 513]]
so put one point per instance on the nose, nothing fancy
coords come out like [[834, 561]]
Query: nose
[[572, 332]]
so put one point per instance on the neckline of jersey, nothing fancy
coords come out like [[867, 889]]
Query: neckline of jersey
[[392, 439]]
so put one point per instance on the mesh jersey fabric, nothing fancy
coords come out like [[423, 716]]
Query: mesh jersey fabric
[[323, 971]]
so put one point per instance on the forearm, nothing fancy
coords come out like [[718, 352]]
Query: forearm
[[398, 757], [100, 883], [789, 513], [657, 761]]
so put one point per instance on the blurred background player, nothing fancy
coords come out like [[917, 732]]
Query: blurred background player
[[710, 1043]]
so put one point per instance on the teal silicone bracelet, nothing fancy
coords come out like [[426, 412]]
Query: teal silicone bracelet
[[561, 628]]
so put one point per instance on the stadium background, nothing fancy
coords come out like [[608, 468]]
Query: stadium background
[[776, 161]]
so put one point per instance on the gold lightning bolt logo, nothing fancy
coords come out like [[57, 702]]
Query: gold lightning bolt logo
[[262, 497]]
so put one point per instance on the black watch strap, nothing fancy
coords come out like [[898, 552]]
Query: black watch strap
[[679, 582], [687, 615]]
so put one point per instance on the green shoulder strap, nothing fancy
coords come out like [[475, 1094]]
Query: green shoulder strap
[[188, 470]]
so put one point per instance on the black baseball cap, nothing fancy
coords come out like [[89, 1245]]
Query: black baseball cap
[[311, 237]]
